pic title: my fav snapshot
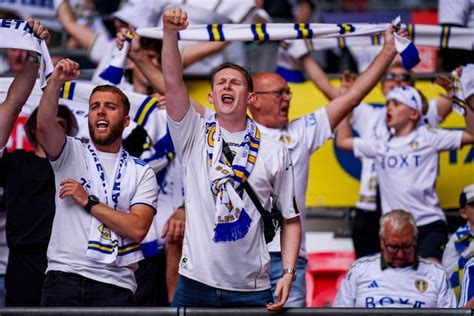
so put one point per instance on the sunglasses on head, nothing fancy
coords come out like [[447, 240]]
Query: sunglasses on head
[[402, 77]]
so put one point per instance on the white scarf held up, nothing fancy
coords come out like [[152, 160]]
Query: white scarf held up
[[19, 35]]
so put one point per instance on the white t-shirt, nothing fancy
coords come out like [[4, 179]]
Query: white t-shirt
[[467, 288], [71, 225], [459, 12], [170, 188], [407, 168], [240, 265], [369, 285], [369, 121], [302, 137]]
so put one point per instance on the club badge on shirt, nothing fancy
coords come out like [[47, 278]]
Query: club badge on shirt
[[421, 285]]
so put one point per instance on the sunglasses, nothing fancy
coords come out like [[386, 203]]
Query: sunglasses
[[390, 76]]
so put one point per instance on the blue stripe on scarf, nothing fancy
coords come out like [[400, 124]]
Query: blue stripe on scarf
[[233, 231], [410, 56], [112, 74], [294, 76], [150, 249]]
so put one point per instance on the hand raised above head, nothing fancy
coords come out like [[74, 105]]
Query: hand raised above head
[[39, 29], [65, 70], [175, 19]]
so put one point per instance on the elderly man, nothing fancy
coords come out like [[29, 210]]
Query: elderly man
[[396, 277]]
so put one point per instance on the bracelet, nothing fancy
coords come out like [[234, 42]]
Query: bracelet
[[32, 58], [291, 271]]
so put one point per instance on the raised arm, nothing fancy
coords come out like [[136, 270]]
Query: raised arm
[[21, 87], [177, 97], [82, 34], [152, 72], [338, 108], [444, 104], [344, 139], [319, 78], [50, 134]]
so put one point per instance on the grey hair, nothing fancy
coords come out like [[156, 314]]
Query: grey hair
[[398, 219]]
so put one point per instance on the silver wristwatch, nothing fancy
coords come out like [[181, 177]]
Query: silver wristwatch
[[32, 58], [291, 271]]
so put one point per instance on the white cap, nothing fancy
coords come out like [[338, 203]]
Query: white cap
[[138, 13], [467, 196], [467, 80], [406, 95]]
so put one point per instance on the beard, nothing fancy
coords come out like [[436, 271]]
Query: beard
[[105, 140]]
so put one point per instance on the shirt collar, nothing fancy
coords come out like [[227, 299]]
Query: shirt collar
[[384, 265]]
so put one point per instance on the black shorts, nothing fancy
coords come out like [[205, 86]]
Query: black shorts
[[432, 239]]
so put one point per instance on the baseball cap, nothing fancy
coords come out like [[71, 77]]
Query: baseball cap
[[467, 80], [466, 196], [406, 95]]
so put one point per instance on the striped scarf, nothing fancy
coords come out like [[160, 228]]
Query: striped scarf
[[18, 34], [231, 219], [464, 246]]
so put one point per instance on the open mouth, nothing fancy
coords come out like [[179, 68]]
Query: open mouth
[[227, 98], [102, 125]]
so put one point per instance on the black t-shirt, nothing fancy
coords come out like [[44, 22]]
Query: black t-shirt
[[29, 186]]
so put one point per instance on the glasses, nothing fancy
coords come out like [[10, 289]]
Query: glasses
[[389, 76], [393, 249], [278, 94]]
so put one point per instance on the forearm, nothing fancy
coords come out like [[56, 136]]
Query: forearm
[[151, 72], [369, 78], [443, 107], [344, 139], [50, 135], [82, 34], [17, 94], [177, 98], [21, 87], [126, 224], [195, 53], [319, 77], [290, 241]]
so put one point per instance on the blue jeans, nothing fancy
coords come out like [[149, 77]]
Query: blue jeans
[[297, 296], [190, 293], [63, 289], [2, 290]]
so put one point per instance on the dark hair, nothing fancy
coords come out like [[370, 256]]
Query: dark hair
[[152, 44], [240, 69], [123, 98]]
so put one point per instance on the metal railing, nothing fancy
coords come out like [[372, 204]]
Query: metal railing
[[195, 311]]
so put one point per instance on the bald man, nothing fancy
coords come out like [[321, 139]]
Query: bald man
[[303, 136]]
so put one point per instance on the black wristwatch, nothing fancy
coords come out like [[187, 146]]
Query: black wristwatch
[[91, 201]]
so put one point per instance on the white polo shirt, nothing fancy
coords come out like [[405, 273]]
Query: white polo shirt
[[241, 265], [407, 168], [371, 284], [302, 137]]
